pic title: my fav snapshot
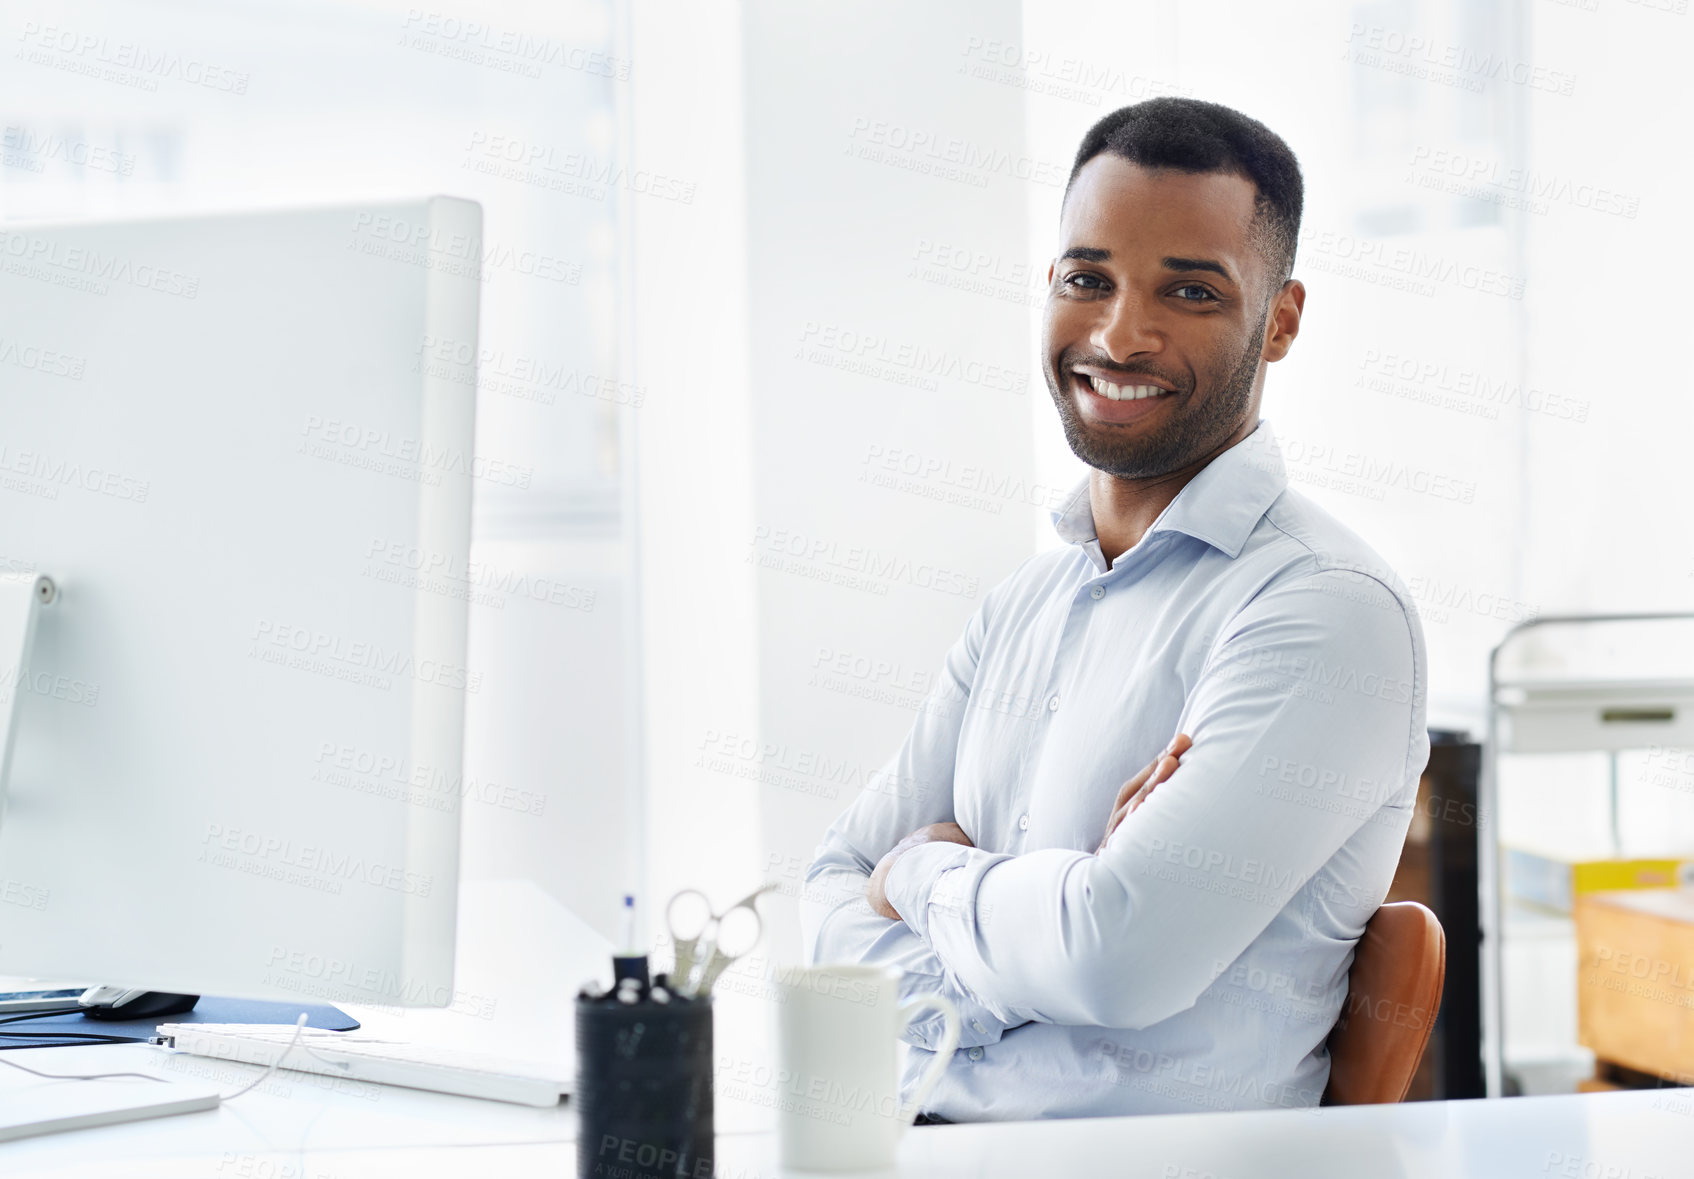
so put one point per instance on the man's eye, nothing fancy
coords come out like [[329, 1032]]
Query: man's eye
[[1088, 282], [1195, 293]]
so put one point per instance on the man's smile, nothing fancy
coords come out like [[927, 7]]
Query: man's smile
[[1100, 397]]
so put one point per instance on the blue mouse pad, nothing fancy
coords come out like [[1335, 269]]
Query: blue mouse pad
[[210, 1009]]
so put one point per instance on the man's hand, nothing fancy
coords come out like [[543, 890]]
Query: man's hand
[[934, 833], [1139, 788]]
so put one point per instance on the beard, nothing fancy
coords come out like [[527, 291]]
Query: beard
[[1200, 425]]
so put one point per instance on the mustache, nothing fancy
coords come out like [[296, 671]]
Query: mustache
[[1069, 361]]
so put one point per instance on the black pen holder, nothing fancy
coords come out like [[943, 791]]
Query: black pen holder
[[643, 1087]]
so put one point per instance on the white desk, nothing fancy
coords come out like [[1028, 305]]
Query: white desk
[[300, 1127]]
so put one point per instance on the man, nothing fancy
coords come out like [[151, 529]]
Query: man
[[1179, 941]]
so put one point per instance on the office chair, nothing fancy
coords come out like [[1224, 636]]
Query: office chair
[[1393, 994]]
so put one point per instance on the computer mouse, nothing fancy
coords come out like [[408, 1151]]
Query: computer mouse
[[115, 1003]]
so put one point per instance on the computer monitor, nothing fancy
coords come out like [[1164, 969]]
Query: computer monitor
[[240, 448]]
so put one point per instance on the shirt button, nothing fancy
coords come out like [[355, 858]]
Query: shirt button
[[975, 1054], [1097, 592], [976, 1025], [1023, 822], [1053, 703]]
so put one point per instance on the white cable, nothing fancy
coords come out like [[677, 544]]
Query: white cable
[[76, 1076], [299, 1027]]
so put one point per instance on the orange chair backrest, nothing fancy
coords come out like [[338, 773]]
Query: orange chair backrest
[[1393, 994]]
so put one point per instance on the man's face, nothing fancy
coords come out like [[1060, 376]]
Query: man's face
[[1159, 290]]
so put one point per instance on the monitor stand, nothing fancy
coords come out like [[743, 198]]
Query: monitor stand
[[22, 595], [40, 1105], [22, 598]]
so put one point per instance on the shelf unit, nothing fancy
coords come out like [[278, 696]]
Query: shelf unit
[[1537, 711]]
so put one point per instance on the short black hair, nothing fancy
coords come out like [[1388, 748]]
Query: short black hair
[[1193, 136]]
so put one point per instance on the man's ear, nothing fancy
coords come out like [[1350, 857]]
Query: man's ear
[[1050, 266], [1284, 320]]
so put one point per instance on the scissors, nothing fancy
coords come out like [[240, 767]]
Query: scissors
[[700, 954]]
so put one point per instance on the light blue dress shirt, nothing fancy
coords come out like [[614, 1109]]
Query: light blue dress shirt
[[1200, 960]]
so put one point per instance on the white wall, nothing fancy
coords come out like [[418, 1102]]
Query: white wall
[[694, 448], [873, 164], [755, 459]]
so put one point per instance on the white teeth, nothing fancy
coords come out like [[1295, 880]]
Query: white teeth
[[1124, 392]]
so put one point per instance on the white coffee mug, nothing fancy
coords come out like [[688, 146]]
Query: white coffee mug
[[838, 1105]]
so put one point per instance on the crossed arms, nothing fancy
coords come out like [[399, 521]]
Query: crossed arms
[[1186, 878]]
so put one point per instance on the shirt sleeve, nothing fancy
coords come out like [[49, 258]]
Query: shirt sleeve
[[913, 790], [1320, 682]]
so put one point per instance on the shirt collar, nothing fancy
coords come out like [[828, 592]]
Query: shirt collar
[[1220, 506]]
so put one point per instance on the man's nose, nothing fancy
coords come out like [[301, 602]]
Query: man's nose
[[1126, 329]]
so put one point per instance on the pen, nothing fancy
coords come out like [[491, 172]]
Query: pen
[[629, 962]]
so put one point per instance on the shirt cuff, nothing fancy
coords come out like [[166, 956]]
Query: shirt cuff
[[908, 884]]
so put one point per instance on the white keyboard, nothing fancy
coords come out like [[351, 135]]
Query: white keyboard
[[362, 1057]]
